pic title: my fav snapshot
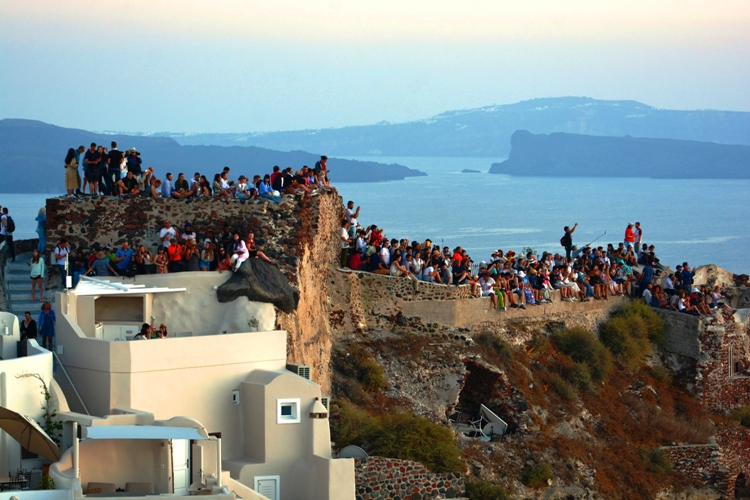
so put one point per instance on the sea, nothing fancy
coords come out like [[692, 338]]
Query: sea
[[701, 221]]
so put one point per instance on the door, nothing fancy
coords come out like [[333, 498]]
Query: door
[[268, 486], [181, 466]]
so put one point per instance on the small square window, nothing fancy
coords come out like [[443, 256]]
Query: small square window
[[287, 411]]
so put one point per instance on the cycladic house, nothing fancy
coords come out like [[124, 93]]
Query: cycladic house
[[212, 406]]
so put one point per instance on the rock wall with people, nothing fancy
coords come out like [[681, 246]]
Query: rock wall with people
[[300, 234]]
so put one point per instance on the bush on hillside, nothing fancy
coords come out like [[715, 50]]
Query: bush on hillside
[[481, 489], [657, 460], [491, 341], [536, 476], [397, 435], [584, 348], [742, 415], [562, 388], [363, 375], [629, 333]]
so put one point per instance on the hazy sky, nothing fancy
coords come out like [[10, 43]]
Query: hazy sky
[[247, 65]]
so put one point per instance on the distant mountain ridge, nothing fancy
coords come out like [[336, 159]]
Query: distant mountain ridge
[[486, 131], [32, 154], [575, 155]]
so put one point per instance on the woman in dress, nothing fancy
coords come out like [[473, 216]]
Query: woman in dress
[[37, 275], [71, 166], [46, 325], [41, 228], [161, 261]]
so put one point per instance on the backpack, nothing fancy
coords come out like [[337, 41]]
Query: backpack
[[10, 226], [562, 240]]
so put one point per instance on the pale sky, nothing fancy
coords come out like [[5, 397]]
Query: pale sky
[[248, 65]]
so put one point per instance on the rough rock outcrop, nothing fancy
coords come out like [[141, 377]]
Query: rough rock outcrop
[[260, 281]]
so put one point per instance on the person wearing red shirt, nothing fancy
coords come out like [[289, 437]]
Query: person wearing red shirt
[[629, 235]]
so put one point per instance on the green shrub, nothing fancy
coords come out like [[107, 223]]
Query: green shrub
[[481, 489], [537, 475], [657, 460], [397, 435], [412, 437], [661, 374], [357, 364], [584, 348], [626, 338], [742, 415], [499, 346], [538, 344], [654, 324], [562, 388], [581, 378]]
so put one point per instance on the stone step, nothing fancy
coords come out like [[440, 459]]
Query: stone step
[[25, 295], [20, 306], [16, 285]]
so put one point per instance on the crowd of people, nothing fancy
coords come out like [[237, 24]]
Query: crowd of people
[[178, 251], [629, 267], [111, 172]]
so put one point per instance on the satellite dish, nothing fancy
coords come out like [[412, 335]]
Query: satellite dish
[[352, 451], [493, 429]]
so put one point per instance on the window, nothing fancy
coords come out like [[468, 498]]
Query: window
[[287, 411]]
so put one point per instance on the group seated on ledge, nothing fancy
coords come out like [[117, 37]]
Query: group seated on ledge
[[511, 280]]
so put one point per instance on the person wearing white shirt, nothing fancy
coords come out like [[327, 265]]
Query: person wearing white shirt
[[352, 216], [487, 284], [167, 233]]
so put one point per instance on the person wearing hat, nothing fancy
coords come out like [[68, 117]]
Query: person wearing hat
[[133, 161]]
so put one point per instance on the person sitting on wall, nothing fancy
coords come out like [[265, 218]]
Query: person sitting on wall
[[239, 252], [181, 188], [253, 252], [129, 185]]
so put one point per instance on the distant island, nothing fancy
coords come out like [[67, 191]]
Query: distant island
[[486, 131], [574, 155], [32, 154], [470, 171]]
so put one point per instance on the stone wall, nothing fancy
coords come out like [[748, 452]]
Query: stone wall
[[361, 301], [712, 355], [300, 234], [716, 465], [379, 478]]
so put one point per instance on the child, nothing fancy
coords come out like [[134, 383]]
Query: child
[[161, 261]]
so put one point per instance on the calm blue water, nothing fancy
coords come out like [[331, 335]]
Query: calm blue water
[[699, 221]]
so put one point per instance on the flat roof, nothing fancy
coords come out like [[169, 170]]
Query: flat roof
[[89, 287], [141, 432]]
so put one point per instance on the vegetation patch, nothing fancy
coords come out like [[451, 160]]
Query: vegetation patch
[[481, 489], [536, 476], [629, 333], [657, 460], [593, 361], [494, 344], [360, 373], [397, 435], [742, 415]]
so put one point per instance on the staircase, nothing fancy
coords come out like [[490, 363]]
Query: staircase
[[18, 288]]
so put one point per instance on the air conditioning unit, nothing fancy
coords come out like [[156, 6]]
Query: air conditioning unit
[[300, 369], [324, 401]]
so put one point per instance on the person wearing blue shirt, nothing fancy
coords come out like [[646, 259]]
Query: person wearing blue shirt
[[266, 190], [123, 256], [687, 277]]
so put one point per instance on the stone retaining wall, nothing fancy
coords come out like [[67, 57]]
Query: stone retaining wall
[[379, 478]]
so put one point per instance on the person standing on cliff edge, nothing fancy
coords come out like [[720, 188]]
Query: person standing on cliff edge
[[567, 239]]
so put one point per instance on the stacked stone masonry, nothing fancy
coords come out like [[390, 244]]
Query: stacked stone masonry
[[379, 478], [300, 234]]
